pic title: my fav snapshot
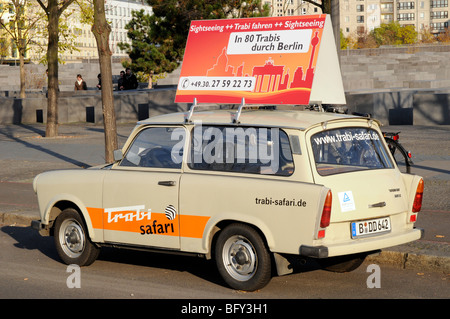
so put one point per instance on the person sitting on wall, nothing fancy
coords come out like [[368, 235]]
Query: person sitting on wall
[[80, 84], [99, 85], [130, 80], [120, 82]]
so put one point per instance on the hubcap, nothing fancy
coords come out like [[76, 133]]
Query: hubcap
[[239, 257], [71, 238]]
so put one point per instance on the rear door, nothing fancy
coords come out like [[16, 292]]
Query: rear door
[[355, 164]]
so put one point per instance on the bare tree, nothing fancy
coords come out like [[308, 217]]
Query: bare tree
[[101, 30], [18, 27]]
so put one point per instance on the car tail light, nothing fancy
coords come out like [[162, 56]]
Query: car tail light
[[326, 215], [326, 212], [417, 204]]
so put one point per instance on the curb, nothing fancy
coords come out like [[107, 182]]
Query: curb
[[17, 218], [407, 259], [418, 255]]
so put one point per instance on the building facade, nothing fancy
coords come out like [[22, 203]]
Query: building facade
[[363, 16], [356, 17], [359, 16], [118, 14]]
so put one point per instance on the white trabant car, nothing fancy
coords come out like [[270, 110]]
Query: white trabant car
[[251, 190]]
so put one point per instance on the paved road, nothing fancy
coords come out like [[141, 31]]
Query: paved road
[[25, 153], [31, 268]]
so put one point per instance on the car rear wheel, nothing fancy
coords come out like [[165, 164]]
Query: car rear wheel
[[72, 242], [242, 258]]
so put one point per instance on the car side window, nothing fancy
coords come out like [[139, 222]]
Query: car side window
[[157, 147], [241, 149]]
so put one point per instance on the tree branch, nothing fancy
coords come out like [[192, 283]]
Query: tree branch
[[43, 7], [64, 6], [321, 4]]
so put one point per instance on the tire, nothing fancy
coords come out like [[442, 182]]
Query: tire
[[242, 258], [400, 155], [342, 264], [71, 240]]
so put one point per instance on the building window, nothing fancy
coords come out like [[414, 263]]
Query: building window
[[405, 16], [439, 15], [438, 27], [439, 3], [405, 5], [360, 8], [360, 19]]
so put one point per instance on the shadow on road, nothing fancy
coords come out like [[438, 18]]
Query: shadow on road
[[42, 149], [29, 239]]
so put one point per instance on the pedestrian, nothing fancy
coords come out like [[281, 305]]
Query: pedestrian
[[130, 82], [99, 85], [120, 82], [80, 84]]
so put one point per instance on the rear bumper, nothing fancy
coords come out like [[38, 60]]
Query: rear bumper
[[361, 245]]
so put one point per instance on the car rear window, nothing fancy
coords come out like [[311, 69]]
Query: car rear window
[[241, 149], [349, 149]]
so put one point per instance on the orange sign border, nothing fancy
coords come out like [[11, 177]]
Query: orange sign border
[[278, 78]]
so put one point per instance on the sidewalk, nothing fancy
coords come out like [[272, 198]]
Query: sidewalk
[[25, 153]]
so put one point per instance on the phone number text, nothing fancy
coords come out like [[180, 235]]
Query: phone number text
[[223, 83]]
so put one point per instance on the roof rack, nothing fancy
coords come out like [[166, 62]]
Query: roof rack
[[188, 118], [238, 113], [191, 111]]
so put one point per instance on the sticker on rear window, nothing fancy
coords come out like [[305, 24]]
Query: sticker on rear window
[[346, 201]]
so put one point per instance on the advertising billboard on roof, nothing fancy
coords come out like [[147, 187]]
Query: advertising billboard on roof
[[263, 60]]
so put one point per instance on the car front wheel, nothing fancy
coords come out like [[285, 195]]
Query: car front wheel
[[72, 242], [242, 258]]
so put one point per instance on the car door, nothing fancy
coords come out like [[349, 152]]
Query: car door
[[140, 193]]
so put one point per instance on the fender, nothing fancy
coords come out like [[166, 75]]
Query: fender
[[79, 204], [237, 217]]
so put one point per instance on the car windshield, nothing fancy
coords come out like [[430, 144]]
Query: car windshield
[[349, 149]]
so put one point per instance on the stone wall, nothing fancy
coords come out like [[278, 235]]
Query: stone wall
[[390, 108], [397, 68], [409, 67], [403, 107], [36, 77], [81, 107], [408, 85]]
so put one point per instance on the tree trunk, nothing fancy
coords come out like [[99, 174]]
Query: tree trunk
[[335, 20], [101, 30], [22, 75], [52, 60]]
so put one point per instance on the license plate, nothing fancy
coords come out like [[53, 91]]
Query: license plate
[[371, 227]]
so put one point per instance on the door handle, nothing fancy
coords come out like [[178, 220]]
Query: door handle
[[167, 183], [380, 204]]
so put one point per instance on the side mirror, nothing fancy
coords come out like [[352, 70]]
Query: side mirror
[[117, 155]]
